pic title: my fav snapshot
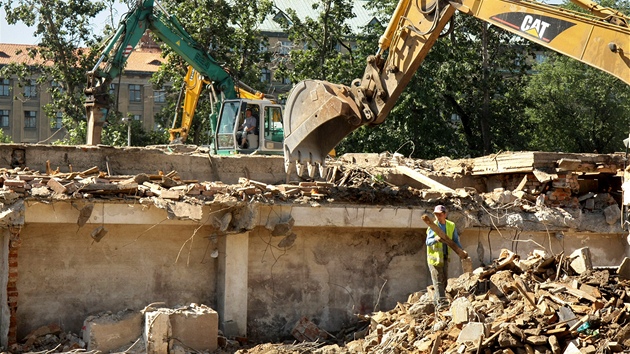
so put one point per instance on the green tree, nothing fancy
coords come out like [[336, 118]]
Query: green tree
[[59, 61], [576, 108], [317, 43]]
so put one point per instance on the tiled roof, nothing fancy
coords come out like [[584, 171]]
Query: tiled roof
[[139, 60], [304, 8], [9, 53], [143, 60]]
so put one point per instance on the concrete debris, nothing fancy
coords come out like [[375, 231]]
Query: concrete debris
[[47, 337], [542, 184], [98, 233], [305, 330], [581, 260], [539, 304], [185, 329], [84, 214], [194, 327]]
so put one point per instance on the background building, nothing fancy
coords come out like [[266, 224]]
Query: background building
[[22, 108]]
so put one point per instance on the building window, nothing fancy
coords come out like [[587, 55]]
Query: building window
[[137, 117], [58, 121], [159, 96], [135, 93], [30, 90], [265, 76], [285, 47], [262, 47], [30, 119], [4, 118], [5, 87], [112, 89], [56, 86]]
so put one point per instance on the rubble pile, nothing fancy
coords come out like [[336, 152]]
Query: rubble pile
[[49, 338], [346, 183], [537, 305], [93, 183], [348, 179], [541, 304]]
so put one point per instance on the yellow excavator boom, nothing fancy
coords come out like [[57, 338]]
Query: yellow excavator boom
[[194, 83]]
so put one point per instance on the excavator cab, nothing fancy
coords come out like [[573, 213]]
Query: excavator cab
[[268, 136]]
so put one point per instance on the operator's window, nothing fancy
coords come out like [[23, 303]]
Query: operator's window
[[273, 124]]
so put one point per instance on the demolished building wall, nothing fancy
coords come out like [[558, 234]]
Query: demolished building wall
[[266, 256], [329, 275], [64, 275]]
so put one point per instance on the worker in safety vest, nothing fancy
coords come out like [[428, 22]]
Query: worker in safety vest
[[437, 253]]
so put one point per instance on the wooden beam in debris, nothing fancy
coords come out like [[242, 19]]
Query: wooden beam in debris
[[423, 179]]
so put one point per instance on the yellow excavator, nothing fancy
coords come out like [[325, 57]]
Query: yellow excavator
[[318, 114], [193, 86]]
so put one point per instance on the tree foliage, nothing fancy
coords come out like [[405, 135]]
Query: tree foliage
[[576, 108], [321, 45]]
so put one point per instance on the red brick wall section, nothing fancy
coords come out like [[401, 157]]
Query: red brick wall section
[[12, 292]]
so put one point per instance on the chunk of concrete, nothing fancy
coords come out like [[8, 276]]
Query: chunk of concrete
[[305, 330], [108, 332], [196, 327], [581, 260], [612, 214], [157, 331], [184, 211], [473, 332], [460, 310], [555, 345]]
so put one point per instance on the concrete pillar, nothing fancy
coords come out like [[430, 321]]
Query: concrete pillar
[[232, 284]]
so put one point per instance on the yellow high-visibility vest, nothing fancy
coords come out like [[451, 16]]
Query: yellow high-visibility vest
[[435, 252]]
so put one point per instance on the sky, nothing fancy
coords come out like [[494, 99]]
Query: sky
[[21, 34]]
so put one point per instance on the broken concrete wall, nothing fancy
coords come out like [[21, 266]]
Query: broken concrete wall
[[484, 245], [66, 276], [330, 275], [190, 163]]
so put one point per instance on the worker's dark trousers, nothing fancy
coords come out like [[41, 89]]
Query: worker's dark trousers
[[438, 277]]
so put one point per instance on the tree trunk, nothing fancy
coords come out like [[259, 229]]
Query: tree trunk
[[485, 112]]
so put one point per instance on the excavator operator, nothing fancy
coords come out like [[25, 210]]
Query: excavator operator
[[248, 127]]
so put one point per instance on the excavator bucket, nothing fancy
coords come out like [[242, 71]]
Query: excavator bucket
[[317, 116]]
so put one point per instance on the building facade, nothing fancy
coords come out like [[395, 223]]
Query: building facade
[[22, 115]]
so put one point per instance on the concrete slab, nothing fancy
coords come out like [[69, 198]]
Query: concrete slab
[[581, 260], [196, 327], [108, 332], [157, 331]]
